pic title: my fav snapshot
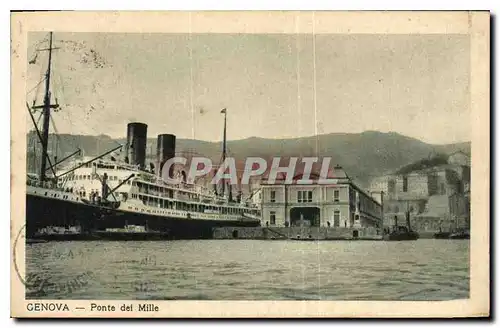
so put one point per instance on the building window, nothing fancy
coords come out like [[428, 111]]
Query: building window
[[336, 218], [304, 196], [391, 188], [273, 196], [405, 184], [336, 195], [272, 217]]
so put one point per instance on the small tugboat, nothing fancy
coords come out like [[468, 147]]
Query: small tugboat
[[456, 233], [130, 232], [73, 233], [399, 233], [460, 234], [308, 238], [59, 233], [442, 234]]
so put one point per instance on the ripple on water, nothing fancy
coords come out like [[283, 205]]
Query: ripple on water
[[246, 270]]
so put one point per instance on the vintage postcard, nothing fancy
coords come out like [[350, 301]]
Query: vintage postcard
[[250, 164]]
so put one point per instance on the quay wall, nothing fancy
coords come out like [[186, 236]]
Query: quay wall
[[321, 233]]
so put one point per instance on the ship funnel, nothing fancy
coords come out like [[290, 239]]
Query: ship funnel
[[165, 150], [136, 144]]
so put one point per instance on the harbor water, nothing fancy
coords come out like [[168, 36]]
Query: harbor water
[[249, 270]]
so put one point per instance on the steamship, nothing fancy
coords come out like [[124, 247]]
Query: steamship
[[102, 196]]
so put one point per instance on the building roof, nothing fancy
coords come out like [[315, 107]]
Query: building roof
[[336, 173], [425, 171], [459, 152]]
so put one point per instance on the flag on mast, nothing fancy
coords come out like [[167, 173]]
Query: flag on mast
[[223, 111]]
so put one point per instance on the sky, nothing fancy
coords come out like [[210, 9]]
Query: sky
[[273, 86]]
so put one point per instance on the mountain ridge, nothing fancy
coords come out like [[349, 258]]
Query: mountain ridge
[[363, 155]]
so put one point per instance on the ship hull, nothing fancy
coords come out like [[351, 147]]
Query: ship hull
[[126, 236], [402, 236], [42, 212], [61, 237], [45, 211], [442, 235], [176, 228], [459, 236]]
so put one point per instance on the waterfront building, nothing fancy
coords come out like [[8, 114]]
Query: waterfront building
[[436, 197], [459, 158], [339, 204]]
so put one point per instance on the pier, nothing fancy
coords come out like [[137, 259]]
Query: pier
[[298, 233]]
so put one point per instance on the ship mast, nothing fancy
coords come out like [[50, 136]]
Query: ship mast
[[46, 114], [224, 111]]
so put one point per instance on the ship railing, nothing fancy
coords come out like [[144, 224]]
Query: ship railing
[[212, 198], [45, 185], [182, 186]]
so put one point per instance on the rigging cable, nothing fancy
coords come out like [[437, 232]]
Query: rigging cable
[[58, 138], [60, 91], [60, 84], [57, 83], [42, 77], [36, 87], [39, 117]]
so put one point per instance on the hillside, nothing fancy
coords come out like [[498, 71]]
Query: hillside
[[363, 155]]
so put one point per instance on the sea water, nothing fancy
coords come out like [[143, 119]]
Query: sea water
[[425, 269]]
